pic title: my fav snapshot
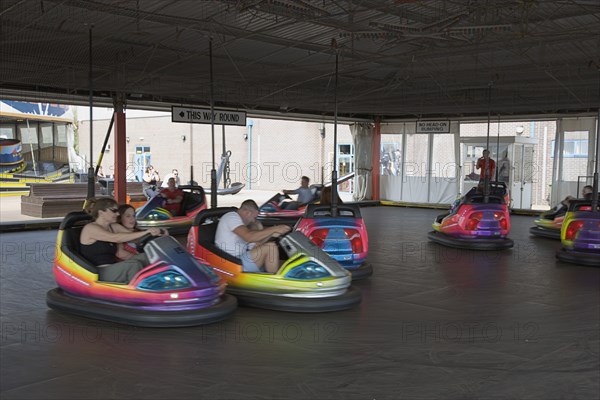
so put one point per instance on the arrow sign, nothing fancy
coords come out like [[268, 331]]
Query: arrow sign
[[202, 116]]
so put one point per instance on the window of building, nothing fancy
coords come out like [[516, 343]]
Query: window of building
[[61, 135], [28, 134], [47, 136], [7, 131], [573, 148]]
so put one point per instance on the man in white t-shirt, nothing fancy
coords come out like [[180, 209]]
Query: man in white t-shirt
[[251, 246], [304, 192], [175, 175]]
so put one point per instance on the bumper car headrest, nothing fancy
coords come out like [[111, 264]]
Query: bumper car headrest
[[75, 218], [324, 210], [211, 213]]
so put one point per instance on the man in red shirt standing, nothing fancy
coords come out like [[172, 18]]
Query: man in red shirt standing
[[487, 166], [174, 197]]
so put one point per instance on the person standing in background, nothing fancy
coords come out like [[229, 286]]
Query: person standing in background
[[487, 166], [150, 182], [174, 174]]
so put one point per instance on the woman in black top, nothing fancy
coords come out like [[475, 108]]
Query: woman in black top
[[99, 244]]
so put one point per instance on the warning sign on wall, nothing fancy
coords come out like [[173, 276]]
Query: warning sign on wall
[[433, 126]]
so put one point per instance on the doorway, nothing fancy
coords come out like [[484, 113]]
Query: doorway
[[141, 159], [345, 165]]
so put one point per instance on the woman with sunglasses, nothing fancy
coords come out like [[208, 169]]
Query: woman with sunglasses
[[99, 244]]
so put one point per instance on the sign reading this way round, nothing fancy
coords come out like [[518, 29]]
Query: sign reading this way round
[[202, 116]]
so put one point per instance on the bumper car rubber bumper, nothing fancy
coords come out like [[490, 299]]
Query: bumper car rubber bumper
[[350, 298], [546, 233], [579, 257], [363, 271], [272, 220], [59, 300], [470, 244]]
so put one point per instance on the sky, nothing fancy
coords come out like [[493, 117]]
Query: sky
[[100, 113]]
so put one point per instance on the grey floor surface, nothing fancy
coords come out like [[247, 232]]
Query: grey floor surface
[[434, 323]]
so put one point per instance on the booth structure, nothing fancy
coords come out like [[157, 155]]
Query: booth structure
[[515, 163]]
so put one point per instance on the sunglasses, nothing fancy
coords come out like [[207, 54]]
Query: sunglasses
[[113, 209]]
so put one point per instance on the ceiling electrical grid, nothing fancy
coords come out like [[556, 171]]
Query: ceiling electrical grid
[[397, 58]]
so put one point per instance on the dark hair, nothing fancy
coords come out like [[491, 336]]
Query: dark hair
[[306, 178], [249, 205], [122, 209], [326, 196], [101, 204]]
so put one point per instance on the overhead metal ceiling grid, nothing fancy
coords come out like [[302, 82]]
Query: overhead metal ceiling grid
[[397, 58]]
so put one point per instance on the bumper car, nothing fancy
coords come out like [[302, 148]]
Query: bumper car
[[174, 290], [580, 235], [308, 281], [343, 237], [278, 210], [153, 215], [474, 224], [548, 224]]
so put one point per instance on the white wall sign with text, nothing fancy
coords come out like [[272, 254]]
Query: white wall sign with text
[[433, 126], [202, 116]]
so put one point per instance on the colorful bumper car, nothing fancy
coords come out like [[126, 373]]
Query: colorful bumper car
[[580, 234], [343, 237], [308, 281], [174, 290], [281, 209], [549, 223], [475, 224], [153, 215]]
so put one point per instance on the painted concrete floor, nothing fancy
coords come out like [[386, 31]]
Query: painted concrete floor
[[434, 323]]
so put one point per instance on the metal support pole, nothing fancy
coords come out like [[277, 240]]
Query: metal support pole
[[191, 155], [223, 154], [250, 124], [486, 179], [31, 147], [334, 188], [91, 175], [213, 171], [595, 185], [120, 149]]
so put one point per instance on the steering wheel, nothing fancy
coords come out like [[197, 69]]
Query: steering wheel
[[277, 239], [283, 199], [147, 238]]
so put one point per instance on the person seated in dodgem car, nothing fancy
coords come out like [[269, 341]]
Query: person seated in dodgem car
[[252, 246], [325, 198], [173, 196], [304, 192], [99, 244], [126, 222], [587, 192], [476, 190], [561, 208]]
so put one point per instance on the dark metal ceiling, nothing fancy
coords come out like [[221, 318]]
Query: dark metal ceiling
[[397, 58]]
